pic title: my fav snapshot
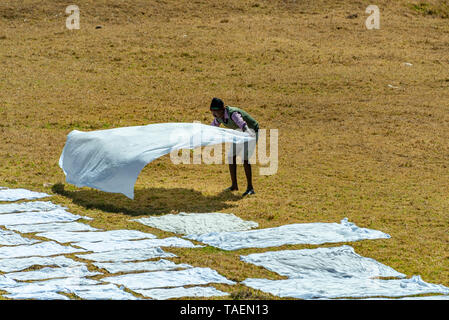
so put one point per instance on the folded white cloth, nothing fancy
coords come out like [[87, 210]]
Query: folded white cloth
[[111, 160]]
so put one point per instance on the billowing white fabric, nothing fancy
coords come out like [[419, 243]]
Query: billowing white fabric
[[160, 265], [46, 227], [29, 206], [57, 215], [299, 233], [111, 160], [333, 287], [18, 264], [179, 292], [9, 238], [102, 292], [198, 223], [44, 249], [19, 194], [135, 244], [112, 235], [160, 279], [49, 273], [339, 262], [124, 255]]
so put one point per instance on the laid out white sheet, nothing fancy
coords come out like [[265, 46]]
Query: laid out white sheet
[[29, 206], [160, 265], [46, 227], [19, 194], [50, 273], [339, 262], [44, 249], [6, 282], [198, 223], [179, 292], [299, 233], [18, 264], [9, 238], [96, 236], [160, 279], [333, 287], [111, 160], [37, 296], [66, 285], [124, 255], [102, 292], [135, 244], [57, 215]]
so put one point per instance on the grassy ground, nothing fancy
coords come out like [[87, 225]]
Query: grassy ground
[[350, 145]]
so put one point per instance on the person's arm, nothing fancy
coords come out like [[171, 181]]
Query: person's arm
[[215, 123], [237, 118]]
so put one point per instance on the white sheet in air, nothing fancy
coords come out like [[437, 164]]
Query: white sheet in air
[[339, 262], [198, 223], [160, 279], [44, 249], [50, 273], [111, 160], [19, 194], [179, 292], [47, 227], [96, 236], [29, 206], [299, 233], [135, 244], [160, 265], [35, 217], [333, 287], [18, 264], [124, 255], [9, 238]]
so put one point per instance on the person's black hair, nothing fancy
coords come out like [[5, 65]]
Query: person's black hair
[[217, 104]]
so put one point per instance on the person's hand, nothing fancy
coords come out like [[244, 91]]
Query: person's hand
[[250, 131]]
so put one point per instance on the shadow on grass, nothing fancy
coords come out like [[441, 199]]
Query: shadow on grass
[[150, 201]]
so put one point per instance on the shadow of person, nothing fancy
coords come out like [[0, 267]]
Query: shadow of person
[[149, 201]]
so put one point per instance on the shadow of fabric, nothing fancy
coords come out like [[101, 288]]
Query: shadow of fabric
[[150, 201]]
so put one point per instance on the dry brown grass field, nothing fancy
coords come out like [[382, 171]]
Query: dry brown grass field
[[350, 145]]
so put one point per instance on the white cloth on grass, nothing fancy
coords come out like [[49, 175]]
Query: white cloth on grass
[[49, 273], [102, 292], [65, 285], [18, 264], [333, 287], [96, 236], [124, 255], [19, 194], [29, 206], [44, 249], [37, 296], [9, 238], [160, 279], [198, 223], [52, 226], [6, 282], [160, 265], [111, 160], [299, 233], [339, 262], [135, 244], [57, 215], [179, 292]]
